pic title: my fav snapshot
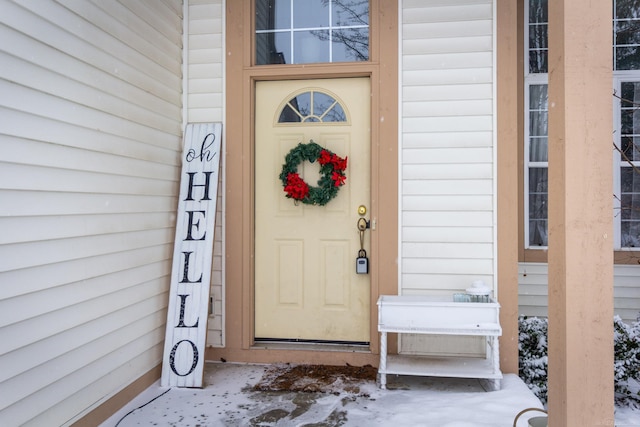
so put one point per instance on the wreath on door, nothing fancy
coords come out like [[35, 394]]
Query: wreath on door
[[332, 174]]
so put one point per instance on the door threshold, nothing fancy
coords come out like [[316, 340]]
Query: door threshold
[[311, 345]]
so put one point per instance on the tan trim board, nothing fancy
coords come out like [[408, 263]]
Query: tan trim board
[[507, 112]]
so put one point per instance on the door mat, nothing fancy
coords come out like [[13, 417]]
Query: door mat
[[317, 378]]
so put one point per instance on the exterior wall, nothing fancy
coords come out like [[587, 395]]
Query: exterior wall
[[533, 281], [447, 170], [447, 149], [90, 129], [205, 103]]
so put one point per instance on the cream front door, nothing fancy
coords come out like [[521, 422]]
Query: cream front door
[[306, 286]]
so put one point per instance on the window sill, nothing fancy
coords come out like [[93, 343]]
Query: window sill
[[627, 257]]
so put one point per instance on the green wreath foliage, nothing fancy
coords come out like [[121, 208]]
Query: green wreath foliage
[[332, 174]]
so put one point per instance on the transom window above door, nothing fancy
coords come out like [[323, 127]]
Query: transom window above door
[[311, 31]]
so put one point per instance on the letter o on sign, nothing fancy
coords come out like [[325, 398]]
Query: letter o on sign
[[172, 358]]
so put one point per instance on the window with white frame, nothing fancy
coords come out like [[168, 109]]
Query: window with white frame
[[626, 138]]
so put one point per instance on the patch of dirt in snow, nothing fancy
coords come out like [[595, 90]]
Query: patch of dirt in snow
[[316, 378]]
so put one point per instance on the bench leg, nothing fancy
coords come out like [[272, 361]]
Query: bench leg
[[383, 361], [493, 353]]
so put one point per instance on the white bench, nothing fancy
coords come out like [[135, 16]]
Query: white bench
[[440, 316]]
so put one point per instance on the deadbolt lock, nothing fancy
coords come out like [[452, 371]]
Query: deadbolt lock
[[362, 210]]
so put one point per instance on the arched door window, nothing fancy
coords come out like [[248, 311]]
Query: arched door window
[[312, 107]]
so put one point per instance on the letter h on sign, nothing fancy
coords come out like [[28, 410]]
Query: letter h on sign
[[183, 363]]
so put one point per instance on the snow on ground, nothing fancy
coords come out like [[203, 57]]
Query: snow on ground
[[227, 400]]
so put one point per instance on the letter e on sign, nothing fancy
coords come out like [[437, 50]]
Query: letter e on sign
[[183, 361]]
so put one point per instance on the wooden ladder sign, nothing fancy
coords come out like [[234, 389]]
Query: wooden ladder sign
[[183, 362]]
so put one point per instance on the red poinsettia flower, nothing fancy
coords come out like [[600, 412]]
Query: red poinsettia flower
[[296, 188], [339, 163], [325, 157], [338, 179]]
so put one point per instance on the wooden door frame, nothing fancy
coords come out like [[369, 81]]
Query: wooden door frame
[[382, 70]]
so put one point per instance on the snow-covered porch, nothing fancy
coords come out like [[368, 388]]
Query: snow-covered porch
[[228, 400]]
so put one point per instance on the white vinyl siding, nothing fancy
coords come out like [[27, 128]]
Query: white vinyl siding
[[90, 143], [205, 61], [447, 152], [205, 103], [533, 290], [447, 170]]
